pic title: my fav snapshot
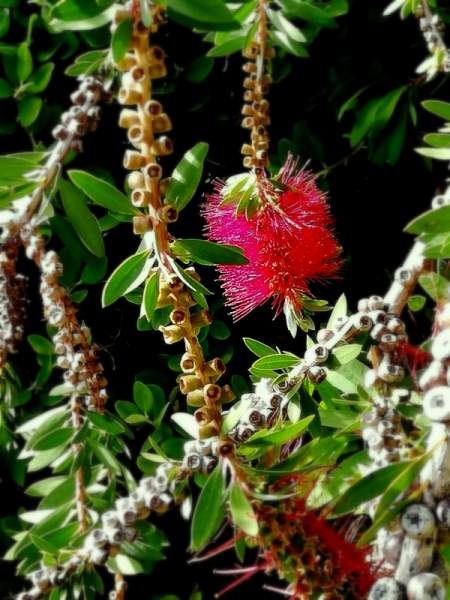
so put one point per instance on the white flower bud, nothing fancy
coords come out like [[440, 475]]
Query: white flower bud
[[418, 521], [316, 354], [387, 588], [323, 335], [375, 303]]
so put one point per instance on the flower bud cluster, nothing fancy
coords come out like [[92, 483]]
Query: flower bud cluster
[[256, 87], [200, 455], [147, 125], [265, 404], [12, 297], [84, 114], [411, 551], [83, 373], [154, 494], [199, 379], [432, 28]]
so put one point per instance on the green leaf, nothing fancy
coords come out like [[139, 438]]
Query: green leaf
[[234, 43], [258, 348], [79, 15], [44, 487], [438, 108], [199, 69], [433, 221], [104, 455], [437, 153], [219, 330], [40, 79], [416, 302], [102, 193], [40, 344], [150, 297], [188, 280], [24, 61], [281, 39], [123, 277], [12, 169], [142, 396], [6, 90], [242, 511], [277, 438], [286, 26], [186, 176], [276, 361], [437, 246], [439, 140], [401, 483], [43, 545], [208, 253], [83, 221], [308, 12], [121, 39], [367, 488], [63, 494], [105, 423], [347, 353], [125, 565], [210, 13], [54, 439], [209, 511], [436, 286], [28, 110]]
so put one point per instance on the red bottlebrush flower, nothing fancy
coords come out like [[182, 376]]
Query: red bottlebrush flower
[[312, 554], [288, 242]]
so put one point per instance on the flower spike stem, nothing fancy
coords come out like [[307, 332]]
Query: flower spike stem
[[147, 125], [256, 85]]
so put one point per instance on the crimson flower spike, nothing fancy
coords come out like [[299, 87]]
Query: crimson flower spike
[[288, 241], [283, 224]]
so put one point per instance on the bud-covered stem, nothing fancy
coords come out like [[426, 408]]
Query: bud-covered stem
[[256, 85], [143, 63]]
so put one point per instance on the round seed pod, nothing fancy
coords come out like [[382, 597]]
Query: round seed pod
[[388, 342], [390, 373], [316, 374], [363, 305], [370, 419], [436, 404], [426, 586], [395, 325], [323, 335], [192, 461], [404, 276], [317, 354], [362, 321], [375, 303], [418, 522], [387, 588]]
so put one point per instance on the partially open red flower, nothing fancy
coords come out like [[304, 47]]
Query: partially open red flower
[[288, 242]]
